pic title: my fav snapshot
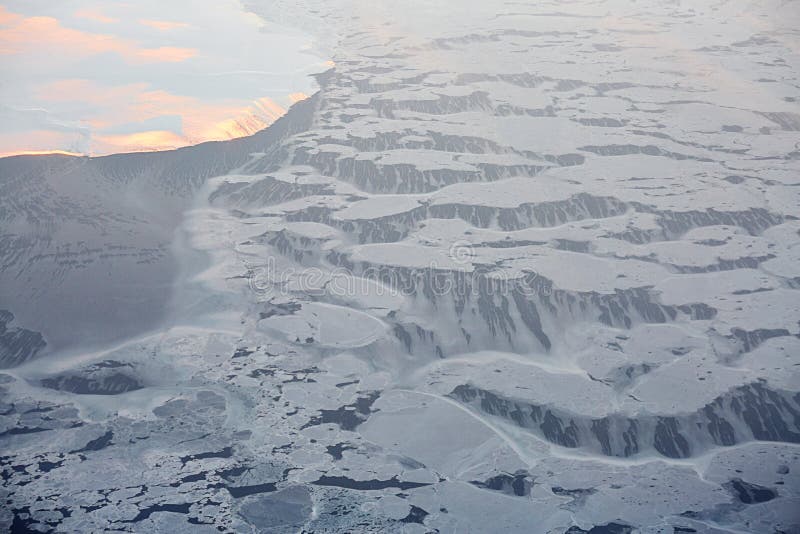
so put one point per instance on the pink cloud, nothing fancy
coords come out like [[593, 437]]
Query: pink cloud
[[95, 15], [134, 103], [20, 34], [163, 25], [138, 142], [166, 54], [36, 142], [6, 17], [79, 90], [294, 98]]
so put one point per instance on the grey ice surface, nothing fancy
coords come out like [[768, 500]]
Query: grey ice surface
[[516, 267]]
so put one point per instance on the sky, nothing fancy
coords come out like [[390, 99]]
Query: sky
[[99, 77]]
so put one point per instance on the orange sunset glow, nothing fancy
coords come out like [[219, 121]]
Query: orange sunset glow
[[123, 78]]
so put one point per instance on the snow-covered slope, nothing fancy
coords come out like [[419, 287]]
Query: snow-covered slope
[[86, 244], [516, 267]]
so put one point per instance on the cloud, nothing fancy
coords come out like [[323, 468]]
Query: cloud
[[16, 119], [294, 98], [14, 143], [7, 17], [95, 16], [25, 35], [82, 90], [139, 141], [100, 77], [165, 54], [113, 109], [163, 25], [21, 129]]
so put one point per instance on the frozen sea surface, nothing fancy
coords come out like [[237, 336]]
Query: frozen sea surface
[[516, 267]]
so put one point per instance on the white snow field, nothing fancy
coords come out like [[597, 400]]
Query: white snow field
[[522, 267]]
